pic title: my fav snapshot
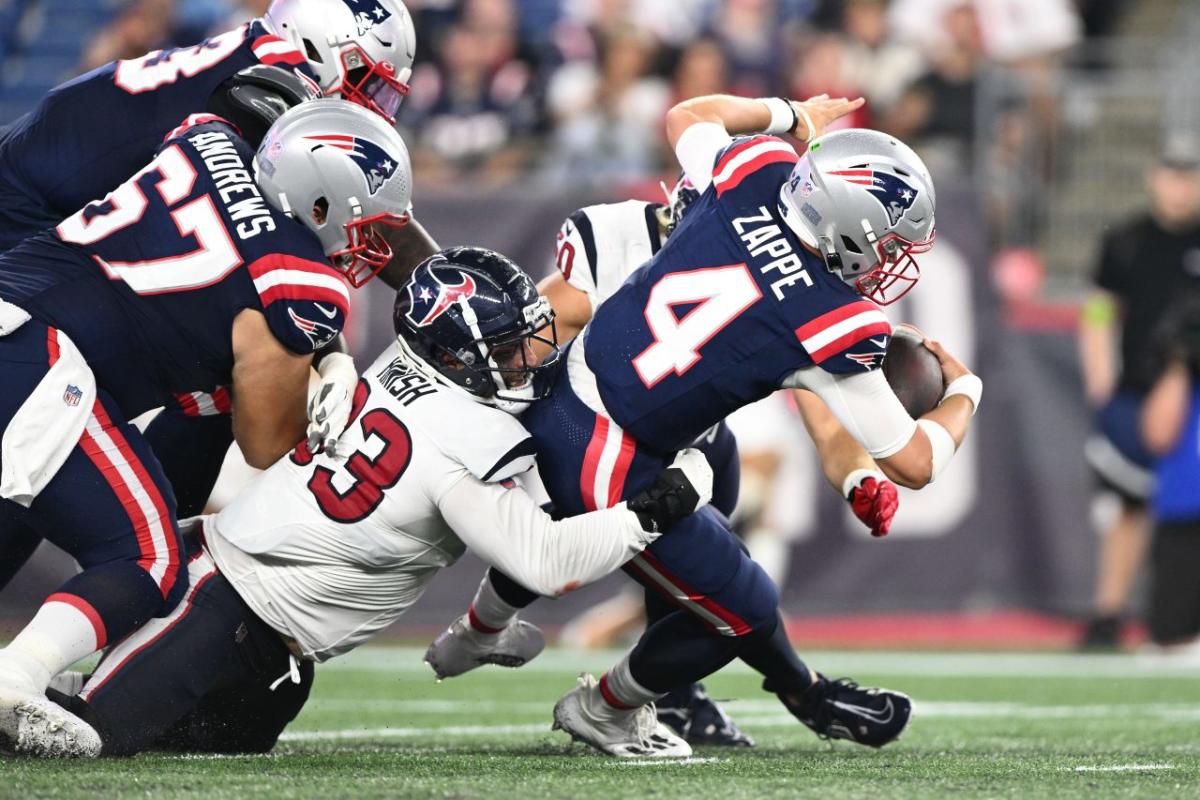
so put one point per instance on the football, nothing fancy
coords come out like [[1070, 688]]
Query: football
[[913, 372]]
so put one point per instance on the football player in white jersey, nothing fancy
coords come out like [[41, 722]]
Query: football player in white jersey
[[321, 553], [599, 246]]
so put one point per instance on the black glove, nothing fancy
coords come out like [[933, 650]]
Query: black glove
[[255, 97], [678, 490]]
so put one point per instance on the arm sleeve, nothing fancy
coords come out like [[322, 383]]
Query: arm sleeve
[[865, 405], [506, 528], [304, 301], [1110, 273], [697, 151]]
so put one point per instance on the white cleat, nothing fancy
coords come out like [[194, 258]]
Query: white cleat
[[461, 649], [635, 733], [32, 725]]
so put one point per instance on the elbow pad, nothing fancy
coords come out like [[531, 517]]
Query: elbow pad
[[255, 97]]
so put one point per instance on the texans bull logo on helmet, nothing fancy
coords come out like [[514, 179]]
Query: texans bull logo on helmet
[[427, 303], [367, 14], [375, 162], [890, 190]]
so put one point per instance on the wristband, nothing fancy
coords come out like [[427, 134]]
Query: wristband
[[941, 443], [802, 116], [969, 386], [856, 477], [783, 115]]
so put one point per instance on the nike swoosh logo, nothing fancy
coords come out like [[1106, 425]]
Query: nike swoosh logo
[[880, 343], [330, 314], [883, 716]]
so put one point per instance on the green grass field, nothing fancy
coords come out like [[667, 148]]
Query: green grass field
[[986, 725]]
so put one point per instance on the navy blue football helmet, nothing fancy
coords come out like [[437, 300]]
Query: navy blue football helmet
[[467, 318]]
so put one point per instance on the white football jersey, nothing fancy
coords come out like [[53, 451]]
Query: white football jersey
[[600, 246], [328, 551]]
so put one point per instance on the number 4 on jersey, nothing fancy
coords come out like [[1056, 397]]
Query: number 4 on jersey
[[720, 295]]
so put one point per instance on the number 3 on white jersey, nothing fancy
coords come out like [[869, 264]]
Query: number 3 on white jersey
[[722, 294], [137, 75], [214, 256]]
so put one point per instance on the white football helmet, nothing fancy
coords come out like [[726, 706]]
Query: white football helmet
[[865, 201], [360, 50], [344, 173]]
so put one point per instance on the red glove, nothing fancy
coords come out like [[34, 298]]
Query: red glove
[[874, 499]]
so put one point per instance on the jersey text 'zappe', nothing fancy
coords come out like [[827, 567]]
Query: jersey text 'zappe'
[[729, 307]]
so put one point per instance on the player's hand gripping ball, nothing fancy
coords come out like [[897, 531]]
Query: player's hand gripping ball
[[913, 371]]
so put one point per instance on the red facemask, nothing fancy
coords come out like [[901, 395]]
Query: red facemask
[[898, 271], [366, 252], [372, 85]]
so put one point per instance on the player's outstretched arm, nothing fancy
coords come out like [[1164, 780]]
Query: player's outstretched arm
[[848, 467], [696, 144], [270, 387], [506, 528]]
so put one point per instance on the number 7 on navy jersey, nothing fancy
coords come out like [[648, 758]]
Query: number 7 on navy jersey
[[213, 257]]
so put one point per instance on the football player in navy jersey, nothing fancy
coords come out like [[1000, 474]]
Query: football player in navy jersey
[[773, 280], [94, 131], [211, 266]]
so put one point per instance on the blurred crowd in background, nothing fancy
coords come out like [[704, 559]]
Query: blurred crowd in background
[[575, 90]]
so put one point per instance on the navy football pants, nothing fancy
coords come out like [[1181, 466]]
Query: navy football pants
[[209, 677], [109, 505], [729, 607]]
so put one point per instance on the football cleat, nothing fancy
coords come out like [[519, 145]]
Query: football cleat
[[32, 725], [627, 733], [461, 649], [696, 717], [841, 709]]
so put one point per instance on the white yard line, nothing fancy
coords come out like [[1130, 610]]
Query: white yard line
[[408, 660], [1124, 768], [406, 733], [690, 761]]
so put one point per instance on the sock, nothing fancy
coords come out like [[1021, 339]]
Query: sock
[[621, 691], [65, 629], [770, 653], [679, 650], [488, 612]]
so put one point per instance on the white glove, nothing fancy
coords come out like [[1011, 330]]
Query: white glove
[[696, 467], [329, 407]]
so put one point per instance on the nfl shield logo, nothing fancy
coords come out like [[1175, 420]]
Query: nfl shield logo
[[72, 395]]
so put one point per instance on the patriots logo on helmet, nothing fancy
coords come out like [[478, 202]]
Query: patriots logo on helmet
[[892, 192], [375, 162], [318, 333], [367, 14], [428, 304]]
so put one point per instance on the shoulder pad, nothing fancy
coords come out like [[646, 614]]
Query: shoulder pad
[[597, 245], [851, 338], [305, 302], [752, 156]]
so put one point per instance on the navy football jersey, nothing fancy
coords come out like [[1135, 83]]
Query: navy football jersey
[[92, 132], [729, 308], [148, 280]]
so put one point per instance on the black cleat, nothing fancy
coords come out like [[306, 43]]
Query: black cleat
[[841, 709], [696, 717]]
